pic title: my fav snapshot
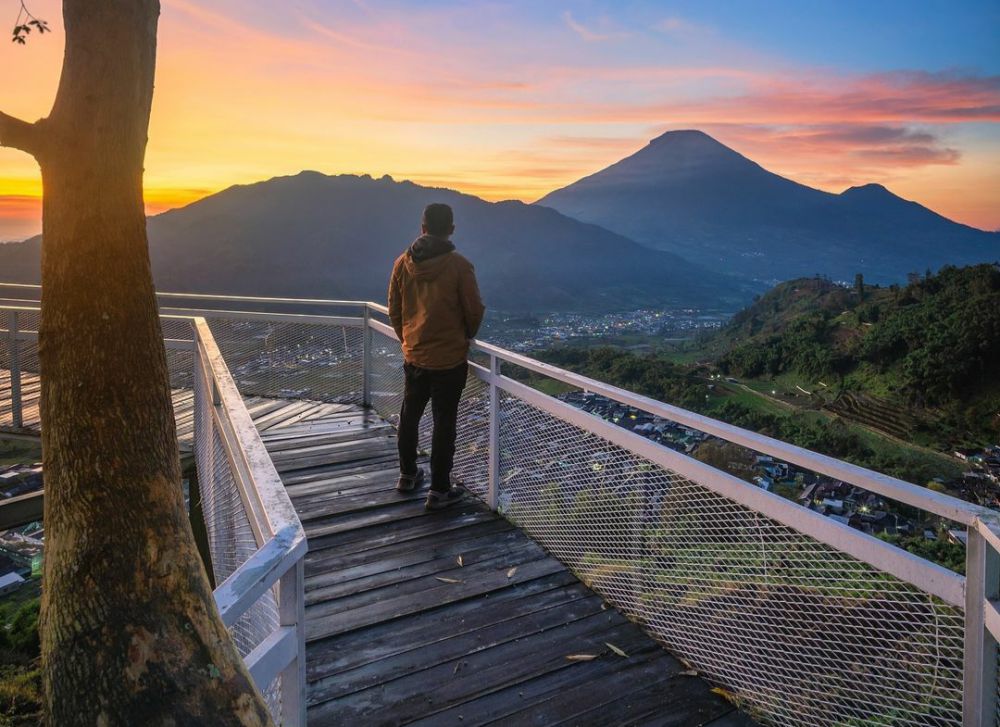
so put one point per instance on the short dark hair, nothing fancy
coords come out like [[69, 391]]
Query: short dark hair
[[438, 219]]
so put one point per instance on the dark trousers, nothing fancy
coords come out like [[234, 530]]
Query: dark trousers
[[443, 388]]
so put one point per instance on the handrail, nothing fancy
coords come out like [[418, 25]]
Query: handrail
[[279, 534], [233, 298]]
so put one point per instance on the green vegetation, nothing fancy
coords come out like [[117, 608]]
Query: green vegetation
[[20, 678], [917, 362], [661, 378]]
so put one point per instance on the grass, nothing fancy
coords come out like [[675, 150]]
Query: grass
[[19, 451], [885, 448]]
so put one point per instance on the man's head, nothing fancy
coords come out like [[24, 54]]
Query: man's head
[[438, 220]]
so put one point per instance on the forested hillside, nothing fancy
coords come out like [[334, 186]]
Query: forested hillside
[[929, 350]]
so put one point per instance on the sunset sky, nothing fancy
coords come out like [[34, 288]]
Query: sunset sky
[[514, 99]]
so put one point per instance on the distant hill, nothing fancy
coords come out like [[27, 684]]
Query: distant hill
[[313, 235], [927, 351], [687, 193]]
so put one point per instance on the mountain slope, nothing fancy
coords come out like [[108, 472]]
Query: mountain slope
[[687, 193], [312, 235], [930, 348]]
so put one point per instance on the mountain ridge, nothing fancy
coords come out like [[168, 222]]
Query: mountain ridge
[[688, 193], [336, 236]]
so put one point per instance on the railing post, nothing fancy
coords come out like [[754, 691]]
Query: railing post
[[15, 370], [492, 495], [291, 612], [366, 352], [982, 582]]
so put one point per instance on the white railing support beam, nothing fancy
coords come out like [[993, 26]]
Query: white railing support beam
[[366, 354], [291, 614], [17, 413], [493, 493], [982, 585]]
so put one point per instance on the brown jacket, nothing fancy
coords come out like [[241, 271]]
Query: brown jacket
[[434, 303]]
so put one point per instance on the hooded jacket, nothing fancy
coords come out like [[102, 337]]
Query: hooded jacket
[[434, 303]]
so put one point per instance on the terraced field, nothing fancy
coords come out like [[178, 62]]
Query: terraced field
[[876, 413]]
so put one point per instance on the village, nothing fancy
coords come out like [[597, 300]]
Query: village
[[525, 335], [850, 505]]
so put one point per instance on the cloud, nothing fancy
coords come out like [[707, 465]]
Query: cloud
[[862, 145], [589, 34]]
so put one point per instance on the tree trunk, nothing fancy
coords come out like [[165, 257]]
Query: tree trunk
[[129, 629]]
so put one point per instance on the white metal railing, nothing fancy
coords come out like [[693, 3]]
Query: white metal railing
[[261, 599], [256, 542], [802, 618]]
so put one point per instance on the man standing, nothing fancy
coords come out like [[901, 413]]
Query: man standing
[[435, 308]]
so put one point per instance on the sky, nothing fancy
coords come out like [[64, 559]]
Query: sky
[[511, 99]]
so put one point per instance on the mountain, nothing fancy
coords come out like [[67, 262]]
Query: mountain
[[688, 194], [312, 235]]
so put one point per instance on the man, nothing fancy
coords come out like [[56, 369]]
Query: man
[[435, 308]]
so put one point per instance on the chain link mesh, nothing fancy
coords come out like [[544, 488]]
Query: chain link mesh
[[231, 539], [286, 360], [797, 631], [180, 362]]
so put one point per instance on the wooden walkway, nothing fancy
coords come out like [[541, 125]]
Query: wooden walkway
[[447, 618], [454, 617]]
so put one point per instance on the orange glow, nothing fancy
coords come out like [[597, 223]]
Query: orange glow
[[239, 99]]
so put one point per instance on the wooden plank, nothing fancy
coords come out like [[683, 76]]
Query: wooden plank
[[384, 474], [335, 567], [388, 638], [431, 690], [421, 586], [475, 560], [404, 605], [317, 506], [335, 453], [497, 706], [457, 646], [636, 696], [365, 538], [389, 514], [735, 718], [283, 412]]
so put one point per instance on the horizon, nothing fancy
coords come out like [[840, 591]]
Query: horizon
[[525, 100]]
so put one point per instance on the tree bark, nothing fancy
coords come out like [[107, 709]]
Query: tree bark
[[129, 629]]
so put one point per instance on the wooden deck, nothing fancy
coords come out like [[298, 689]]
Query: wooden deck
[[447, 618], [454, 617]]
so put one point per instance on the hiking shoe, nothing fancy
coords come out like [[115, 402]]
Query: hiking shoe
[[440, 500], [410, 483]]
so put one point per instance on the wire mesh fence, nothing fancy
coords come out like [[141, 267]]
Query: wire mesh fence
[[796, 630], [180, 361], [290, 360], [231, 539]]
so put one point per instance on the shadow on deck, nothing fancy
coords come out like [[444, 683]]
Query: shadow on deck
[[452, 617]]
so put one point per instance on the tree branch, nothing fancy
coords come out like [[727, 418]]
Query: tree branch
[[18, 134]]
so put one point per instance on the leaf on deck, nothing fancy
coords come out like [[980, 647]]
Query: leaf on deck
[[615, 649], [447, 580], [581, 657], [511, 572]]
